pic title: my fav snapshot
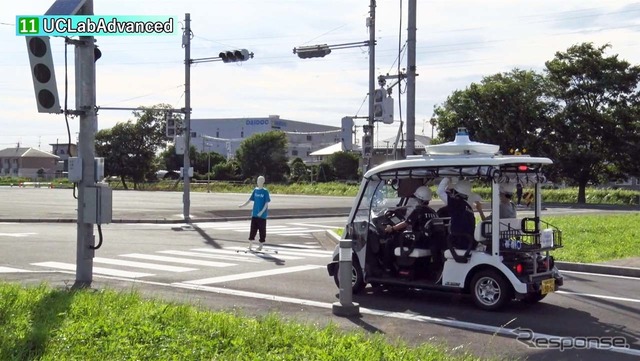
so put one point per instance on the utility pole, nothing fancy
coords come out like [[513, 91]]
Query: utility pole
[[186, 43], [411, 80], [368, 129], [85, 73]]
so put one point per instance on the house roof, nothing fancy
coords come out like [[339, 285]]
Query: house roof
[[421, 141], [338, 147], [25, 153]]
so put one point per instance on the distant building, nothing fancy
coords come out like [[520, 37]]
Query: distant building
[[225, 135], [27, 162], [64, 151]]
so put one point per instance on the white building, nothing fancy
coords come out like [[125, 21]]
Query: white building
[[224, 136]]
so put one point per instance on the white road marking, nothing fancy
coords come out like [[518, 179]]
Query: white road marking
[[315, 225], [288, 252], [11, 270], [197, 262], [624, 299], [243, 276], [214, 256], [154, 266], [240, 251], [600, 275], [17, 235], [99, 270], [311, 248]]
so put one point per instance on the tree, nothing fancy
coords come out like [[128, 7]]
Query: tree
[[129, 147], [125, 154], [596, 124], [508, 109], [264, 154], [298, 170], [344, 165]]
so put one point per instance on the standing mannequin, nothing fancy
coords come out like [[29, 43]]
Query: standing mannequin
[[260, 198]]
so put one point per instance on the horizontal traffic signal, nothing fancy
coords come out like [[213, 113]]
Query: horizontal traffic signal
[[232, 56], [313, 51]]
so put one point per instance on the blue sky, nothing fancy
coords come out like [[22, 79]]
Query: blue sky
[[458, 42]]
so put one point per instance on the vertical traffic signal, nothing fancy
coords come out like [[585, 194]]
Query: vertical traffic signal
[[382, 106], [43, 74], [233, 56], [346, 133]]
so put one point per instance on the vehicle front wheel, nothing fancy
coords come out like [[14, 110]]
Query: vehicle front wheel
[[490, 290], [357, 276], [532, 298]]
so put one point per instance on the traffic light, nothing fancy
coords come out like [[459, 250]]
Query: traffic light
[[382, 106], [170, 124], [367, 145], [43, 74], [233, 56], [313, 51], [346, 133]]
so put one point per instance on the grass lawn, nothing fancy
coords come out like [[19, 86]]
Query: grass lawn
[[594, 238], [597, 238], [41, 323]]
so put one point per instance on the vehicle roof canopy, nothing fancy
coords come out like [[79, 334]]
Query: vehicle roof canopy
[[461, 157]]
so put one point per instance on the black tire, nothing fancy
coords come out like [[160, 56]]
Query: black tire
[[533, 298], [490, 290], [357, 276]]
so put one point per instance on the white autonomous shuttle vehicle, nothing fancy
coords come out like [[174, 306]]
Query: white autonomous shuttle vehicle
[[504, 260]]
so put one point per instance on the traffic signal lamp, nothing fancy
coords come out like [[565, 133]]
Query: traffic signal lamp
[[367, 145], [233, 56], [43, 74], [346, 133], [313, 51], [382, 106]]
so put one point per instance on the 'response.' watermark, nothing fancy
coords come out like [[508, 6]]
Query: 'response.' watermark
[[529, 338]]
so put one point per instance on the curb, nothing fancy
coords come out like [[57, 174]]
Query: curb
[[562, 266], [599, 268]]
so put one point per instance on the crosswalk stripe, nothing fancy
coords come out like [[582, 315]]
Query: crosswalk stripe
[[178, 260], [282, 252], [97, 270], [209, 255], [11, 270], [243, 276], [234, 250], [306, 248], [154, 266], [296, 230]]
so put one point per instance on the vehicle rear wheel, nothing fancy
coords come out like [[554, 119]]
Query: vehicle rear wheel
[[357, 276], [532, 298], [490, 290]]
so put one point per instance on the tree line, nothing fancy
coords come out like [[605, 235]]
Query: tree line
[[582, 111]]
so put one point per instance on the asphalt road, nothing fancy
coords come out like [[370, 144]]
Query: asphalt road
[[200, 263]]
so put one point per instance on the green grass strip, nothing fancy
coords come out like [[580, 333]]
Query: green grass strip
[[40, 323]]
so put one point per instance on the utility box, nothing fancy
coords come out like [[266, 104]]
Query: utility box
[[179, 144], [75, 169], [98, 204], [98, 166]]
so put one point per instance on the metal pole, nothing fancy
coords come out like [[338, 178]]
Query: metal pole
[[209, 172], [186, 43], [85, 73], [372, 78], [345, 307], [411, 80]]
